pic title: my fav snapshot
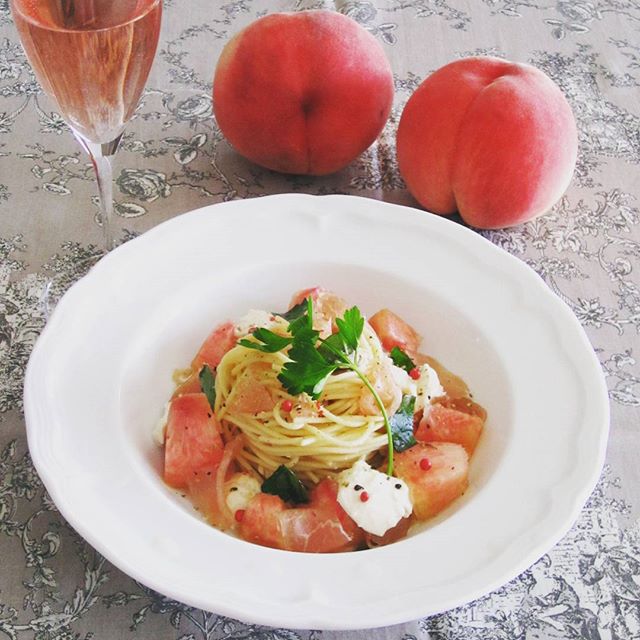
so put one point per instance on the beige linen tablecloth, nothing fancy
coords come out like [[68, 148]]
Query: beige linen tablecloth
[[173, 159]]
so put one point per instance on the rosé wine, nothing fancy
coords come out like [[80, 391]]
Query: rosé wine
[[92, 56]]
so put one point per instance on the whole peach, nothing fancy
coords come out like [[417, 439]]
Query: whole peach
[[302, 92], [494, 140]]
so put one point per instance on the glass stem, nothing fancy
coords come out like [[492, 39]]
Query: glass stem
[[101, 154]]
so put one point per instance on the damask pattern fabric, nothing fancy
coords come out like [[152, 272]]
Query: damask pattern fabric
[[174, 159]]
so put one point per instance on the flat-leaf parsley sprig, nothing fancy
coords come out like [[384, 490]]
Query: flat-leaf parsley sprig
[[312, 360]]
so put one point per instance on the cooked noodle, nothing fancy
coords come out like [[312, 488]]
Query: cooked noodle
[[314, 438]]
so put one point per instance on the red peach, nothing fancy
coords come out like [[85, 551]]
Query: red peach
[[302, 92], [492, 139]]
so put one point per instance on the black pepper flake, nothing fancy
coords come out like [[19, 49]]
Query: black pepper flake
[[209, 415], [429, 397], [357, 487], [233, 489], [398, 486]]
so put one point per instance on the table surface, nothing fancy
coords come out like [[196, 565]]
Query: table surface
[[174, 159]]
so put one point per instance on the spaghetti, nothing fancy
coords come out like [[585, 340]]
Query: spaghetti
[[315, 438]]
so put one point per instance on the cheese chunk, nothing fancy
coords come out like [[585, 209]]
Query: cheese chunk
[[407, 385], [239, 490], [387, 502], [252, 320], [160, 428], [428, 387]]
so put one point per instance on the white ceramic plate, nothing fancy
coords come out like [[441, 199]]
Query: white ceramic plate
[[101, 373]]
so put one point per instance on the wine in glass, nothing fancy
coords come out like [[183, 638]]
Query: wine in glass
[[93, 58]]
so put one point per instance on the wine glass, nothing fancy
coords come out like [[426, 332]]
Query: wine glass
[[93, 58]]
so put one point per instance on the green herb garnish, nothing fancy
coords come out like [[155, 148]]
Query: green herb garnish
[[285, 483], [350, 328], [208, 385], [402, 424], [308, 369], [312, 360], [402, 360], [295, 312], [268, 341]]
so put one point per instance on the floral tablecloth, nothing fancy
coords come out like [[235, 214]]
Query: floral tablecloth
[[174, 158]]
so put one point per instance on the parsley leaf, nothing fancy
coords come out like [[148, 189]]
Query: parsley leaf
[[402, 424], [303, 323], [285, 483], [339, 346], [401, 359], [271, 342], [311, 365], [294, 312], [207, 380], [350, 328], [308, 370], [333, 349]]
